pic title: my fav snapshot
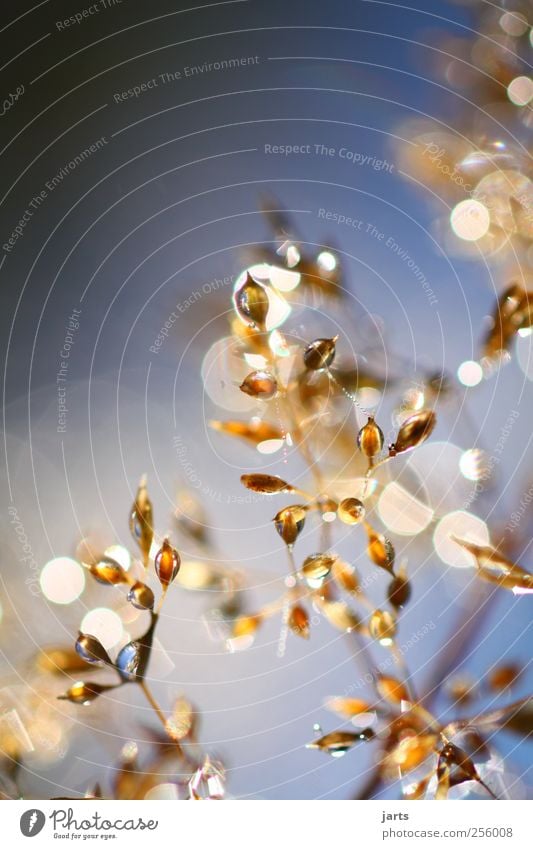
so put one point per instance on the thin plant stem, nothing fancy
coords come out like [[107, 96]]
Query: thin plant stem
[[154, 704], [401, 664], [303, 493], [299, 436], [156, 707], [292, 562], [161, 600], [364, 652]]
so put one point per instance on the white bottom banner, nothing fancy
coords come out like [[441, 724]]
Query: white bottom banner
[[257, 824]]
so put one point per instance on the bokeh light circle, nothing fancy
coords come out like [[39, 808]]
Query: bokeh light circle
[[62, 580], [104, 624], [462, 525]]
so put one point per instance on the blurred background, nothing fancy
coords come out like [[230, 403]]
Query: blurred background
[[139, 143]]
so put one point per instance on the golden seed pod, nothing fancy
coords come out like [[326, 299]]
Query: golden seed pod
[[513, 312], [382, 627], [347, 708], [443, 783], [339, 615], [254, 431], [260, 384], [416, 791], [298, 621], [60, 661], [107, 571], [399, 591], [337, 743], [485, 555], [246, 626], [94, 792], [248, 335], [496, 569], [380, 550], [141, 596], [91, 650], [346, 576], [370, 439], [141, 521], [503, 676], [182, 720], [190, 517], [131, 660], [317, 567], [198, 575], [438, 385], [289, 523], [461, 690], [252, 303], [265, 483], [411, 750], [125, 780], [320, 354], [84, 693], [327, 506], [457, 764], [351, 511], [391, 689], [514, 306], [414, 431], [167, 563]]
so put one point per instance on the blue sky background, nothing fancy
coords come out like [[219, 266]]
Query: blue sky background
[[165, 206]]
